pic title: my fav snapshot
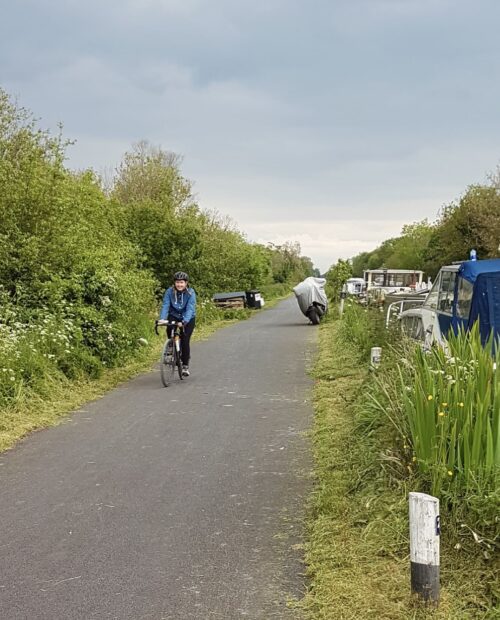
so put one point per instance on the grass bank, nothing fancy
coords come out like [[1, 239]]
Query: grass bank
[[358, 549]]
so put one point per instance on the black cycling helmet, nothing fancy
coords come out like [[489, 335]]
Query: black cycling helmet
[[181, 275]]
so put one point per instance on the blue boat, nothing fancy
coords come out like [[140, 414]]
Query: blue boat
[[461, 295]]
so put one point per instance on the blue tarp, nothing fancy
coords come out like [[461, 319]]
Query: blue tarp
[[471, 269], [486, 303]]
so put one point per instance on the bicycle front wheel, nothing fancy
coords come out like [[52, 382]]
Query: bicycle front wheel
[[178, 359], [167, 363]]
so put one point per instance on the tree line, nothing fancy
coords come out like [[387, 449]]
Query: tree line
[[470, 222]]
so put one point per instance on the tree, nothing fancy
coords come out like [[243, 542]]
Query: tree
[[337, 276], [149, 172], [472, 223], [62, 252], [288, 266], [161, 218], [409, 250]]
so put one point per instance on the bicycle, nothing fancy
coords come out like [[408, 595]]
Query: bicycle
[[171, 353]]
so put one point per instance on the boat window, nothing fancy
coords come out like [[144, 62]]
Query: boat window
[[419, 329], [432, 297], [400, 279], [413, 327], [464, 298], [407, 325], [447, 290], [394, 278]]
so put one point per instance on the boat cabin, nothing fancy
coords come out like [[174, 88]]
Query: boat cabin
[[461, 295], [393, 279], [355, 286]]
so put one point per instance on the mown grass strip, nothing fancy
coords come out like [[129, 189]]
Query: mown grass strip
[[357, 549]]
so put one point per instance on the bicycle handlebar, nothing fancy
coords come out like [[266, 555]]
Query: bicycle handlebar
[[160, 323]]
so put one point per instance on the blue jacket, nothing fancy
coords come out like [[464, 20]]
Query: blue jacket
[[181, 305]]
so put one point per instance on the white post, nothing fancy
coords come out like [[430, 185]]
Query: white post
[[343, 295], [375, 356], [425, 529]]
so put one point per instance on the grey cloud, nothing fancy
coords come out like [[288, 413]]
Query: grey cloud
[[279, 107]]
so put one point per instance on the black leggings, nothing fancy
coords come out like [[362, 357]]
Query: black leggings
[[186, 338]]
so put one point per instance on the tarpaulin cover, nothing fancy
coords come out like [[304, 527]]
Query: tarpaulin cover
[[471, 269], [309, 291], [486, 304]]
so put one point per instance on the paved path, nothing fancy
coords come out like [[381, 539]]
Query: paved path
[[176, 503]]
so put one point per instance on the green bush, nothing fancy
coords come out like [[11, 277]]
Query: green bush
[[272, 291], [363, 326], [73, 297]]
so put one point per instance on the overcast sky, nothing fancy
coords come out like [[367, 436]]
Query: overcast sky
[[329, 122]]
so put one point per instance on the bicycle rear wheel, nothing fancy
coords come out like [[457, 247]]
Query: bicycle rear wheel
[[167, 363]]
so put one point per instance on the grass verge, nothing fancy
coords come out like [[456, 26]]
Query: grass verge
[[358, 548]]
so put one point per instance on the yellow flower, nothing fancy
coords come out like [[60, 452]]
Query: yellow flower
[[450, 473], [444, 404], [441, 414], [430, 397], [460, 404], [414, 459]]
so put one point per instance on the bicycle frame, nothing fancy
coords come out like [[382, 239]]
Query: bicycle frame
[[169, 364]]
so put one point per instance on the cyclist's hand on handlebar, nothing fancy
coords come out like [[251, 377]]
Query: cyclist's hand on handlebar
[[159, 323]]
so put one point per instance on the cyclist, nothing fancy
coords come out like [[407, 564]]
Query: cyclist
[[179, 304]]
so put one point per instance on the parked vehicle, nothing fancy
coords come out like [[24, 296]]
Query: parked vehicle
[[239, 299], [355, 286], [461, 295], [312, 298], [396, 303]]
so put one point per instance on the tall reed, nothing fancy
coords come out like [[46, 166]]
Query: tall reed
[[450, 401]]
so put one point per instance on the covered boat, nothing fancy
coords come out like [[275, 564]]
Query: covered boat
[[461, 295]]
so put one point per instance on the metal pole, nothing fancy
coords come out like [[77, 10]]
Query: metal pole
[[425, 530]]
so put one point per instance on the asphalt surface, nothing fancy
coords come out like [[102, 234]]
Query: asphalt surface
[[175, 503]]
